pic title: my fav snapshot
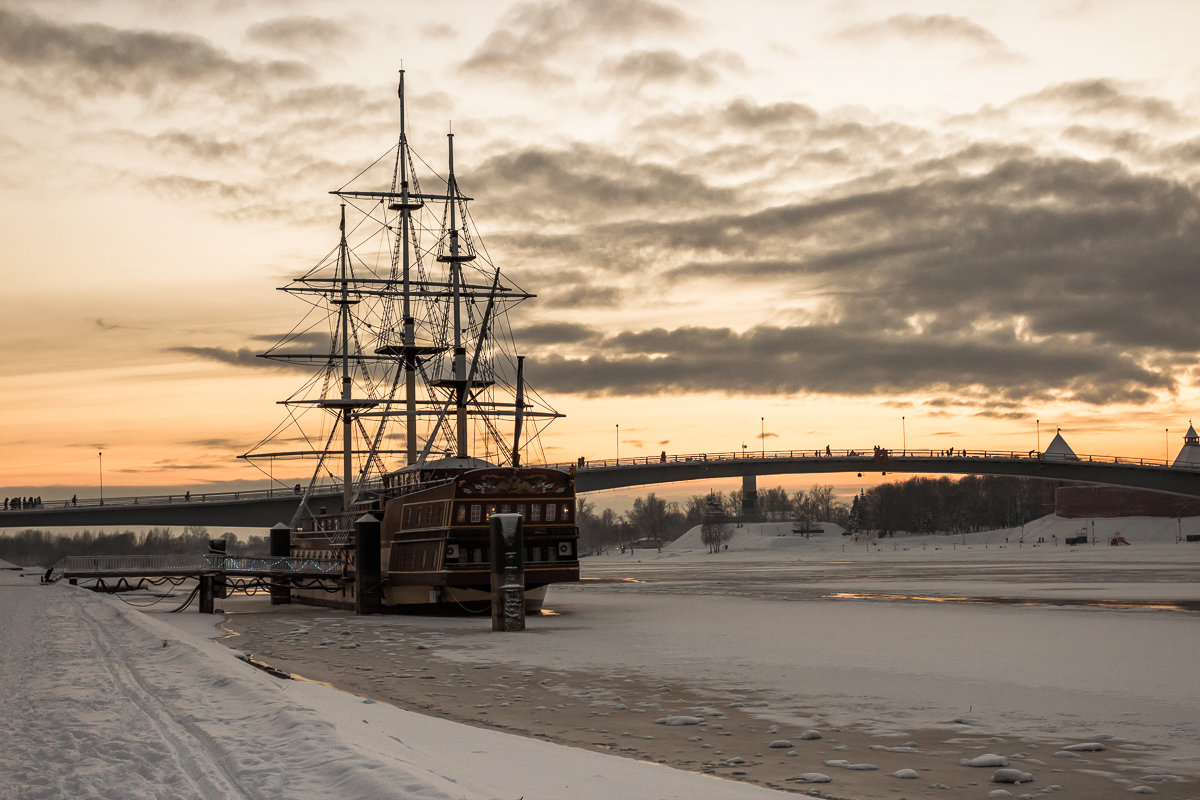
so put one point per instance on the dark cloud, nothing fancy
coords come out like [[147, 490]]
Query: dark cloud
[[301, 34], [550, 333], [439, 30], [932, 28], [994, 273], [576, 182], [535, 35], [216, 444], [163, 466], [312, 340], [846, 361], [1104, 96], [196, 146], [1069, 246], [643, 67], [100, 59], [241, 357]]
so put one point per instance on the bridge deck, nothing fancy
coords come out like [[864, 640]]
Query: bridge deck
[[269, 506]]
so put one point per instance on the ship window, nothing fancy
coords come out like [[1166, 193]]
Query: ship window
[[476, 512], [505, 508], [521, 510], [535, 512], [566, 512], [551, 511], [461, 514], [537, 554]]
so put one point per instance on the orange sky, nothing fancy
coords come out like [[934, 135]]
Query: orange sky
[[808, 220]]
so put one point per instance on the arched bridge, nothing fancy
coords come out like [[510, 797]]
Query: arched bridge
[[1136, 473], [267, 507]]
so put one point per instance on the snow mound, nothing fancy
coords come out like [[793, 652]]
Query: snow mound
[[679, 720], [811, 777], [985, 760], [1011, 776]]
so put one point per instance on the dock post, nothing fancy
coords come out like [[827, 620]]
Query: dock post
[[508, 573], [367, 571], [217, 551], [281, 547], [206, 594]]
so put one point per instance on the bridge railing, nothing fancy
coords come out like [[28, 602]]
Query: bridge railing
[[185, 498], [866, 454]]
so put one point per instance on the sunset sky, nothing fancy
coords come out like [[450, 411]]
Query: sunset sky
[[803, 219]]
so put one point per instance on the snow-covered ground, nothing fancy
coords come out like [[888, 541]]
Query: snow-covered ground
[[100, 700]]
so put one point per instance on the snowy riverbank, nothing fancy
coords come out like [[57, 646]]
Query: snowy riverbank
[[101, 700]]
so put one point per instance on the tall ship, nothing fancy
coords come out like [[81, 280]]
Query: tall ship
[[416, 409]]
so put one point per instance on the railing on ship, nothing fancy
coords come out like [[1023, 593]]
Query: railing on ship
[[197, 563]]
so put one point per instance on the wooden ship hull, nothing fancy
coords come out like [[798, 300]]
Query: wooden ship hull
[[434, 541]]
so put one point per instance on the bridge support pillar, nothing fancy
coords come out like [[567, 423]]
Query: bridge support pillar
[[281, 547], [206, 594], [750, 497], [368, 575]]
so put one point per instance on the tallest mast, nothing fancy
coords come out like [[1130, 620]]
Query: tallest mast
[[410, 341]]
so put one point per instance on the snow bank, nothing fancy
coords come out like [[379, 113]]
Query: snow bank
[[769, 541]]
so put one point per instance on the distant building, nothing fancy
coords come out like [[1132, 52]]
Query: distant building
[[1059, 450], [1080, 500], [1189, 454]]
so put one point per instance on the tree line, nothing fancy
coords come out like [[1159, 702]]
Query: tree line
[[942, 505], [42, 548], [917, 505]]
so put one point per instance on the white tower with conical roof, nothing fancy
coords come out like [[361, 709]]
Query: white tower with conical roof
[[1189, 454], [1059, 450]]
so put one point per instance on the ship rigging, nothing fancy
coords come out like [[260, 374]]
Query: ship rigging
[[408, 338]]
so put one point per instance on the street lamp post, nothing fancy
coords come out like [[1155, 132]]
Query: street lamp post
[[1166, 445], [1038, 422], [101, 477], [762, 434], [618, 442], [904, 436]]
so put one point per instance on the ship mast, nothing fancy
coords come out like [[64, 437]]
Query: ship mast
[[410, 337], [460, 380], [346, 404]]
